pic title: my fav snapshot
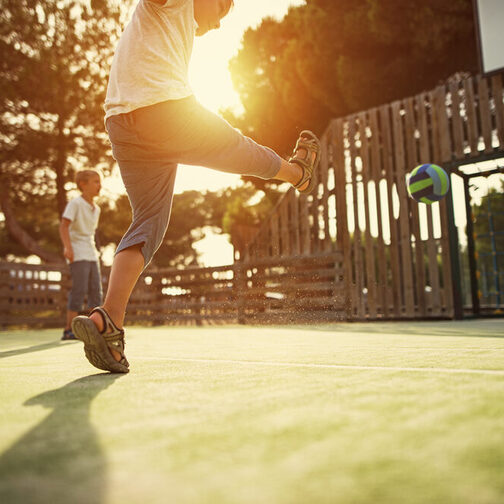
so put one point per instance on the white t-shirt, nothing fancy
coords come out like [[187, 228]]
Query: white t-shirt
[[151, 61], [84, 217]]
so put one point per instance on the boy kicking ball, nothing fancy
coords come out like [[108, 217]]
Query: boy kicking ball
[[154, 123]]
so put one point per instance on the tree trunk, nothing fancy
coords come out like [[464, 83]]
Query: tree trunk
[[20, 235], [59, 168]]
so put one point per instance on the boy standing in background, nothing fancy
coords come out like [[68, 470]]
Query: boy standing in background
[[77, 230]]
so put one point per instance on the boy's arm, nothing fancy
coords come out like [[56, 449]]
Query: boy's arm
[[64, 231]]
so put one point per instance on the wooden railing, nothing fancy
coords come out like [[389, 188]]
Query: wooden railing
[[396, 252], [281, 291], [358, 249]]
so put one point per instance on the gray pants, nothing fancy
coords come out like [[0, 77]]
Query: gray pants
[[86, 281], [149, 142]]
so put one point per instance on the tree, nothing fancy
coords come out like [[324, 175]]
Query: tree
[[194, 211], [331, 58], [491, 209], [488, 222], [54, 59]]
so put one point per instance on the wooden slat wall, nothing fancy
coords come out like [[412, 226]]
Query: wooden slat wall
[[395, 251], [264, 291], [389, 257], [28, 291]]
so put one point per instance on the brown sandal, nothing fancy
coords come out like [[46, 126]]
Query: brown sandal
[[97, 344], [311, 144]]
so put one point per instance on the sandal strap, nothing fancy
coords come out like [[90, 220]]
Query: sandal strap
[[110, 331], [307, 144], [310, 144], [305, 167], [113, 336]]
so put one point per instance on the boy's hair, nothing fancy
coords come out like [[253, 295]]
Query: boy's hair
[[82, 176]]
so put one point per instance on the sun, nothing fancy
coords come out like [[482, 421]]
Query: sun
[[211, 81]]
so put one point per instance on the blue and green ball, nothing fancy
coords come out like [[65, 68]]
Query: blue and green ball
[[428, 183]]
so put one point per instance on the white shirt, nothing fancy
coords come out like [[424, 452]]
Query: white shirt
[[84, 217], [151, 61]]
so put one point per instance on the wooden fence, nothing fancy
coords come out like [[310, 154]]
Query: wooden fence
[[358, 249], [33, 294], [265, 291], [396, 252]]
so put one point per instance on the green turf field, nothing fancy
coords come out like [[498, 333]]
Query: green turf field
[[349, 413]]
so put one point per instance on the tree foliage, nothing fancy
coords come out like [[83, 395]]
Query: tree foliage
[[488, 217], [330, 58], [192, 213], [54, 60]]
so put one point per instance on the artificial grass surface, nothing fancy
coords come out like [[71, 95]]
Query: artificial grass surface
[[348, 413]]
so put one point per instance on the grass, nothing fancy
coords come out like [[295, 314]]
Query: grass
[[348, 413]]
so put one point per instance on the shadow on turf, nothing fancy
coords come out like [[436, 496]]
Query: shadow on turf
[[60, 460], [34, 348]]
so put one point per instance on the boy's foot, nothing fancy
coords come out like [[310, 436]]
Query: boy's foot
[[307, 156], [68, 335], [100, 345]]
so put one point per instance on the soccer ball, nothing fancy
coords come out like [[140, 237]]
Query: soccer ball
[[428, 183]]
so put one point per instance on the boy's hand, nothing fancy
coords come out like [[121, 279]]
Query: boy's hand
[[68, 253]]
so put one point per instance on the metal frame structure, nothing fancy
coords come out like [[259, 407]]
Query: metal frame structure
[[477, 22], [471, 239]]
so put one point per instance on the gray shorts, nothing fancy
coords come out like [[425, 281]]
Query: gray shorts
[[86, 281], [149, 142]]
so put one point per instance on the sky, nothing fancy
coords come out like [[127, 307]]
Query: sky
[[210, 79]]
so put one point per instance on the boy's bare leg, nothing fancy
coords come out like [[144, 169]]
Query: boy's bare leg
[[126, 269]]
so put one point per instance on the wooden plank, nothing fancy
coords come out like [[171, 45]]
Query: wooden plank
[[313, 206], [432, 252], [413, 160], [439, 112], [499, 107], [485, 115], [471, 123], [370, 257], [275, 235], [343, 237], [304, 225], [376, 165], [426, 149], [388, 165], [295, 231], [425, 146], [284, 228], [457, 126], [433, 268], [324, 176], [358, 265], [446, 260], [404, 227]]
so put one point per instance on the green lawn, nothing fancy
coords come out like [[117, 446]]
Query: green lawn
[[348, 413]]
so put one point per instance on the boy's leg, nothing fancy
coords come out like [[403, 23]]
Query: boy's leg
[[79, 273], [80, 278], [95, 292], [147, 161], [149, 182], [126, 269], [185, 132]]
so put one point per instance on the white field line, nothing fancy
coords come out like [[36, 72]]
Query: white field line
[[498, 372]]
